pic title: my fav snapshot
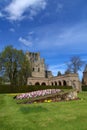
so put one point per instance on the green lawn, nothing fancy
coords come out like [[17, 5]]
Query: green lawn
[[71, 115]]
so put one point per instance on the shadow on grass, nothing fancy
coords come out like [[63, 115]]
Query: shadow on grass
[[34, 109]]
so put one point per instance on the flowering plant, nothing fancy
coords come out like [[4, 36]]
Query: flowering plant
[[37, 93]]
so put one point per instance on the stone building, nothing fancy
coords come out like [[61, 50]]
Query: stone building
[[38, 66], [40, 76], [85, 76]]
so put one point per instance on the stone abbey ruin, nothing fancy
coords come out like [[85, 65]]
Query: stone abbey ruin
[[85, 76], [40, 76]]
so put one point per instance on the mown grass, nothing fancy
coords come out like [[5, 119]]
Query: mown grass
[[70, 115]]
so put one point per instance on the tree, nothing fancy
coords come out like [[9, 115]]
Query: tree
[[75, 64], [46, 70], [59, 73], [12, 63], [68, 71], [24, 72], [0, 80]]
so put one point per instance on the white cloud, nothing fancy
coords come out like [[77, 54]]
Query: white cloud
[[72, 38], [25, 41], [12, 29], [1, 15], [56, 68], [17, 8], [31, 33]]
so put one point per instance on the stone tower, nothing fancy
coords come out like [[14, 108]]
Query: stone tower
[[41, 76], [37, 64], [85, 76]]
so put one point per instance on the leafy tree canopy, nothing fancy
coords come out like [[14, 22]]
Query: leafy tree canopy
[[13, 63]]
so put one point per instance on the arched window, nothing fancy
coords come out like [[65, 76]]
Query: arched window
[[33, 69], [60, 83], [37, 83], [52, 83], [55, 83], [64, 83], [43, 84]]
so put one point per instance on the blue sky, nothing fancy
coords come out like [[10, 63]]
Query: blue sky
[[55, 28]]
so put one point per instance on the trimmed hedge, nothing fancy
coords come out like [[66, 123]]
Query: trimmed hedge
[[84, 88], [23, 89]]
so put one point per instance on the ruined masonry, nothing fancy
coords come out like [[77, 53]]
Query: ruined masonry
[[40, 76], [85, 76]]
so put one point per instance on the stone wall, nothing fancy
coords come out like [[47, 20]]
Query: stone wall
[[63, 80], [40, 76], [37, 64], [85, 76]]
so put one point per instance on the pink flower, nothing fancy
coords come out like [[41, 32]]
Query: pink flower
[[37, 93]]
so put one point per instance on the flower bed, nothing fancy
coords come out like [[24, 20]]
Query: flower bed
[[37, 93]]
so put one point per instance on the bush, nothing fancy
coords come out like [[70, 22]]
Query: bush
[[84, 88], [23, 89]]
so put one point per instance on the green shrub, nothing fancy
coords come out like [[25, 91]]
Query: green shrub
[[84, 88], [22, 89]]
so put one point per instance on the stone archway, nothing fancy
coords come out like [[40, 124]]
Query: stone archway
[[64, 83], [55, 83], [43, 84], [52, 83], [37, 83], [60, 84]]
